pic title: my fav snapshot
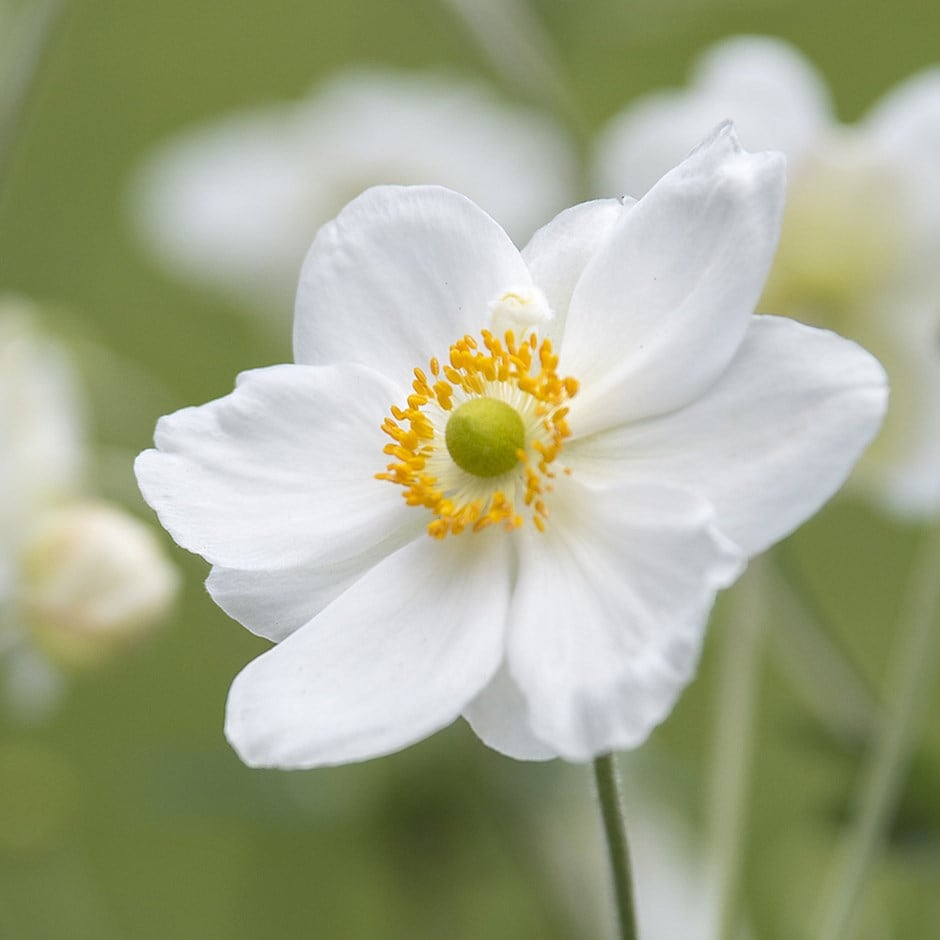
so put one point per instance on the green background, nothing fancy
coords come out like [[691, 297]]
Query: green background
[[126, 815]]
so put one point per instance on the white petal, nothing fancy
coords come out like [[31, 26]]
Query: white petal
[[274, 604], [499, 717], [393, 659], [904, 128], [770, 442], [901, 470], [609, 611], [400, 275], [226, 204], [909, 116], [279, 473], [662, 307], [560, 250], [775, 98]]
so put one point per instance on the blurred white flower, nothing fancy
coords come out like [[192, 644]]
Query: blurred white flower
[[675, 895], [78, 578], [92, 579], [235, 203], [585, 506], [861, 235], [673, 881], [42, 429]]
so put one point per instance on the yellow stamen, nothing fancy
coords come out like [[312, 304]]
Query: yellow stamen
[[467, 490]]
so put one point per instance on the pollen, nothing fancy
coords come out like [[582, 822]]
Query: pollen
[[478, 438]]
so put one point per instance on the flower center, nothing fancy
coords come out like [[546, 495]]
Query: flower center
[[478, 438], [485, 436]]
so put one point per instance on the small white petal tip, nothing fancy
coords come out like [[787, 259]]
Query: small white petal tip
[[519, 309]]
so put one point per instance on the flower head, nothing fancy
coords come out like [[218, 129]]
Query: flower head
[[508, 485], [234, 204], [861, 232]]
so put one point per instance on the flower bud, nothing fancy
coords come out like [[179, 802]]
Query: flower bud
[[93, 580]]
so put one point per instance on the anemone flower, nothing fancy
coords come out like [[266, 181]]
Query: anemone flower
[[507, 485]]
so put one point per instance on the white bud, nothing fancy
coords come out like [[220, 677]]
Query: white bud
[[93, 579]]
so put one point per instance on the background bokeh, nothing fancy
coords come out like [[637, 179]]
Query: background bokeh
[[125, 814]]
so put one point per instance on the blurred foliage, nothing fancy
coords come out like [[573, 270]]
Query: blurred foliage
[[127, 815]]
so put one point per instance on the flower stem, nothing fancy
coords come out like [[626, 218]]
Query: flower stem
[[910, 686], [733, 743], [608, 794], [25, 48]]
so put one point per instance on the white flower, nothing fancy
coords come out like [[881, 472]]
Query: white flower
[[861, 236], [78, 578], [235, 204], [588, 503]]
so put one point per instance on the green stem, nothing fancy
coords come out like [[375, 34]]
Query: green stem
[[608, 794], [733, 744], [25, 49], [910, 686]]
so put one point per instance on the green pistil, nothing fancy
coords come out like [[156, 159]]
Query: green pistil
[[484, 437]]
